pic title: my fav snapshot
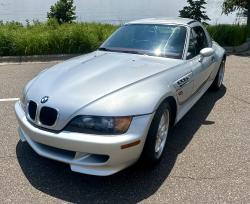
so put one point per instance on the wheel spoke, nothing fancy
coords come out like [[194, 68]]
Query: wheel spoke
[[161, 122], [162, 132], [158, 143]]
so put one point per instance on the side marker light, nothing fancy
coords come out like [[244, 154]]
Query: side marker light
[[130, 144]]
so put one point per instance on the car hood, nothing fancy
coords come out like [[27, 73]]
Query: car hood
[[80, 81]]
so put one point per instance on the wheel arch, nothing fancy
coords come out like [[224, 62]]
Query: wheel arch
[[224, 57], [173, 105]]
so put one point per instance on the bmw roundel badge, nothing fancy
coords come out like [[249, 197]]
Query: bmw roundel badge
[[44, 99]]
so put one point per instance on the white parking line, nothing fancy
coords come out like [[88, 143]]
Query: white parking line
[[9, 99]]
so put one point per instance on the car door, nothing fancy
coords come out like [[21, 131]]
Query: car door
[[201, 70]]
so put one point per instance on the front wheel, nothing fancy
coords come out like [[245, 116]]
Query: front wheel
[[219, 77], [157, 137]]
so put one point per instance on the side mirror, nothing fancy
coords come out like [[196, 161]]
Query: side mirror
[[206, 52]]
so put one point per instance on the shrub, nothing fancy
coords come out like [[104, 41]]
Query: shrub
[[229, 35], [50, 38], [52, 22]]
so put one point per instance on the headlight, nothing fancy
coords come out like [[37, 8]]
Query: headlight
[[100, 125]]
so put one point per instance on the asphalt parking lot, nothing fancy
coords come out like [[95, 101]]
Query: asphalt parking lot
[[207, 159]]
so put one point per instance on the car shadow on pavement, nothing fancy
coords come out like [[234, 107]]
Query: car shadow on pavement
[[131, 185]]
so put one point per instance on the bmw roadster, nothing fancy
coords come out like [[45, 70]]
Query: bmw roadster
[[106, 110]]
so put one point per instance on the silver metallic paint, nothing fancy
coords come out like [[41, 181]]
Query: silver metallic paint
[[103, 86], [206, 52], [113, 84]]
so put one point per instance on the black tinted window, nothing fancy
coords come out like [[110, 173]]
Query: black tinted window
[[197, 42]]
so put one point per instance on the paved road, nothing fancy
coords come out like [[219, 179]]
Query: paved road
[[207, 158]]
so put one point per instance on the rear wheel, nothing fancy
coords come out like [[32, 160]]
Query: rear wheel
[[219, 77], [157, 137]]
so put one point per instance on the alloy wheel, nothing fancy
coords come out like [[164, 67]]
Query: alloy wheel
[[162, 134]]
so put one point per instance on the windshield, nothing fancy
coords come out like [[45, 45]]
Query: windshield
[[155, 40]]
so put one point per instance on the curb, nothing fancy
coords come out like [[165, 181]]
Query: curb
[[241, 48], [37, 58]]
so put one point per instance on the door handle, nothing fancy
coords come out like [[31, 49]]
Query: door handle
[[212, 58]]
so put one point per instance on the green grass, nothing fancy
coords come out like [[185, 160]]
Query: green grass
[[50, 38], [229, 35]]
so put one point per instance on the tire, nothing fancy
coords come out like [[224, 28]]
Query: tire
[[150, 157], [216, 85]]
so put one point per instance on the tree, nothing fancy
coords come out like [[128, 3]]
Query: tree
[[63, 11], [230, 6], [194, 10]]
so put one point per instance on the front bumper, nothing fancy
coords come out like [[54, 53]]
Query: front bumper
[[86, 153]]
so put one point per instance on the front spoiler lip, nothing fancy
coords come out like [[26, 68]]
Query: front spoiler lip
[[93, 144]]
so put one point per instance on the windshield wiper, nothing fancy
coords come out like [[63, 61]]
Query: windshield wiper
[[104, 49], [123, 51], [133, 52]]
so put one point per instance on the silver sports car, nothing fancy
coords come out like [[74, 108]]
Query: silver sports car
[[106, 110]]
